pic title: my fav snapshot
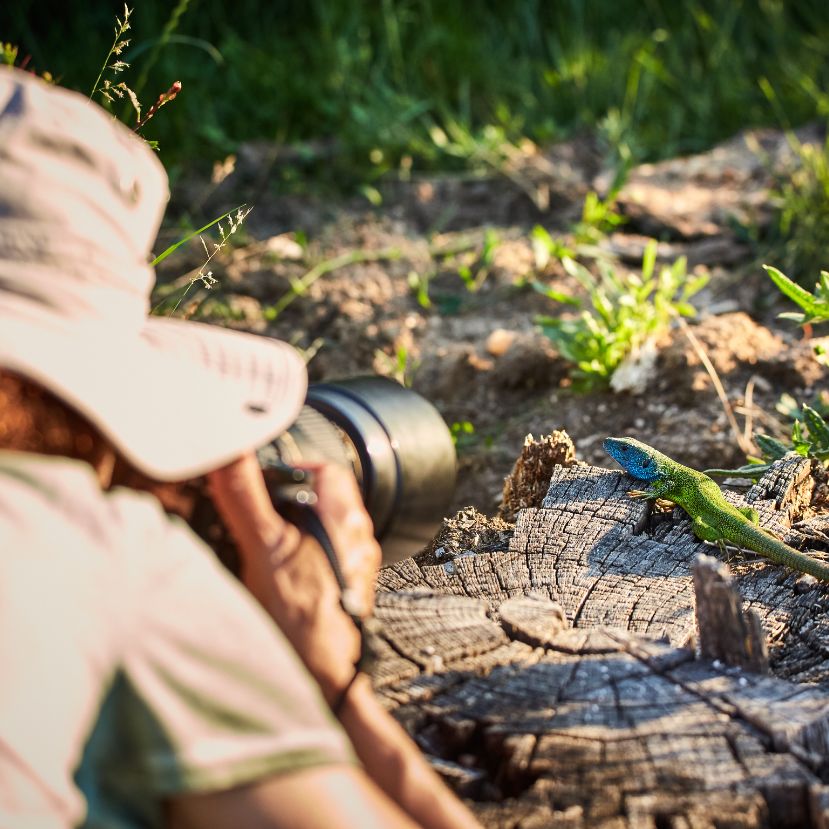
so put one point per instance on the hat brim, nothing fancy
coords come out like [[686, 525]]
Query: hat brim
[[177, 398]]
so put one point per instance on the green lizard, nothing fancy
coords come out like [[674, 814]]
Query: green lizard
[[714, 518]]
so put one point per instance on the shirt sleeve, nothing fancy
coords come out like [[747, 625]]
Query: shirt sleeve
[[209, 694]]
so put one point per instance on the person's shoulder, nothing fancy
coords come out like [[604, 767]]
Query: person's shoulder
[[36, 488], [56, 505], [47, 478]]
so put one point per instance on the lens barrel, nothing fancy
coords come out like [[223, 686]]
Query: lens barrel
[[394, 441]]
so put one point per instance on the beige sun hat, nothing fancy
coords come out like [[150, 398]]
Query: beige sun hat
[[81, 199]]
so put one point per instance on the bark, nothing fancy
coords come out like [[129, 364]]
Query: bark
[[727, 632]]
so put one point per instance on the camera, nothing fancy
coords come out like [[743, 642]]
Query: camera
[[393, 440]]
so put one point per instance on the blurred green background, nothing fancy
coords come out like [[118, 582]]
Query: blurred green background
[[434, 83]]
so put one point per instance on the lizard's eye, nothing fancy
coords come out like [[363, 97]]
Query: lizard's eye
[[646, 463]]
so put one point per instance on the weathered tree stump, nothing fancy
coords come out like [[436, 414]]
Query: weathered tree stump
[[601, 727], [548, 673], [609, 561], [726, 632]]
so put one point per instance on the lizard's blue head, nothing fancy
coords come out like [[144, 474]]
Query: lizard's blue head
[[637, 458]]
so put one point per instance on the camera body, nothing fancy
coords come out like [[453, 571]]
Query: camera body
[[396, 444]]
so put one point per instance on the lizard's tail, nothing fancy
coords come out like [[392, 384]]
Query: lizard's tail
[[781, 553]]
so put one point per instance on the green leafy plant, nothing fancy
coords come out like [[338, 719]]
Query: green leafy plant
[[401, 366], [810, 432], [475, 275], [815, 305], [626, 310], [301, 285], [598, 218], [463, 434], [419, 284], [809, 439], [547, 248]]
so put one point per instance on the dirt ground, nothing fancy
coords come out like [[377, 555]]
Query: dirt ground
[[473, 347]]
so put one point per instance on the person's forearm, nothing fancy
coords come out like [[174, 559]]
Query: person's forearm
[[298, 589], [396, 765], [313, 798]]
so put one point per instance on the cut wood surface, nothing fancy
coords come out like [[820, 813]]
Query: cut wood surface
[[609, 561], [547, 671]]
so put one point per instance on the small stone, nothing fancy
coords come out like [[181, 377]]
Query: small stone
[[284, 247], [499, 341]]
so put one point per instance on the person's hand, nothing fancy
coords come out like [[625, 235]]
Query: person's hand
[[287, 571], [340, 506]]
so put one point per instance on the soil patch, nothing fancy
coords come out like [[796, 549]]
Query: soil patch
[[433, 286]]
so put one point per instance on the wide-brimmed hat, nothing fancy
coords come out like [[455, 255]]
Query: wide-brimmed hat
[[81, 199]]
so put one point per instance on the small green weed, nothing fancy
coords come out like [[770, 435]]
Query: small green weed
[[810, 433], [300, 286], [815, 305], [469, 257], [815, 309], [598, 218], [401, 366], [626, 311], [475, 275], [547, 248], [809, 439], [419, 283], [463, 434]]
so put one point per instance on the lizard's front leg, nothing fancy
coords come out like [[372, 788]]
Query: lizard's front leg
[[661, 489]]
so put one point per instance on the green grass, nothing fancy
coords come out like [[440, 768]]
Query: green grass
[[415, 83], [801, 236]]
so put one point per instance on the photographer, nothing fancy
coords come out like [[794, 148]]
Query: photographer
[[141, 684]]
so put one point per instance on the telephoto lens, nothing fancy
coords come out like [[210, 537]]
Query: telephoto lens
[[396, 444]]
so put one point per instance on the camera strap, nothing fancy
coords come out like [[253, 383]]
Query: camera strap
[[294, 498]]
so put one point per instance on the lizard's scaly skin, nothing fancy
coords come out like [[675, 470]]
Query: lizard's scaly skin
[[714, 518]]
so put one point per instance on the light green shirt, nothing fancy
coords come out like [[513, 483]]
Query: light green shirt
[[132, 666]]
